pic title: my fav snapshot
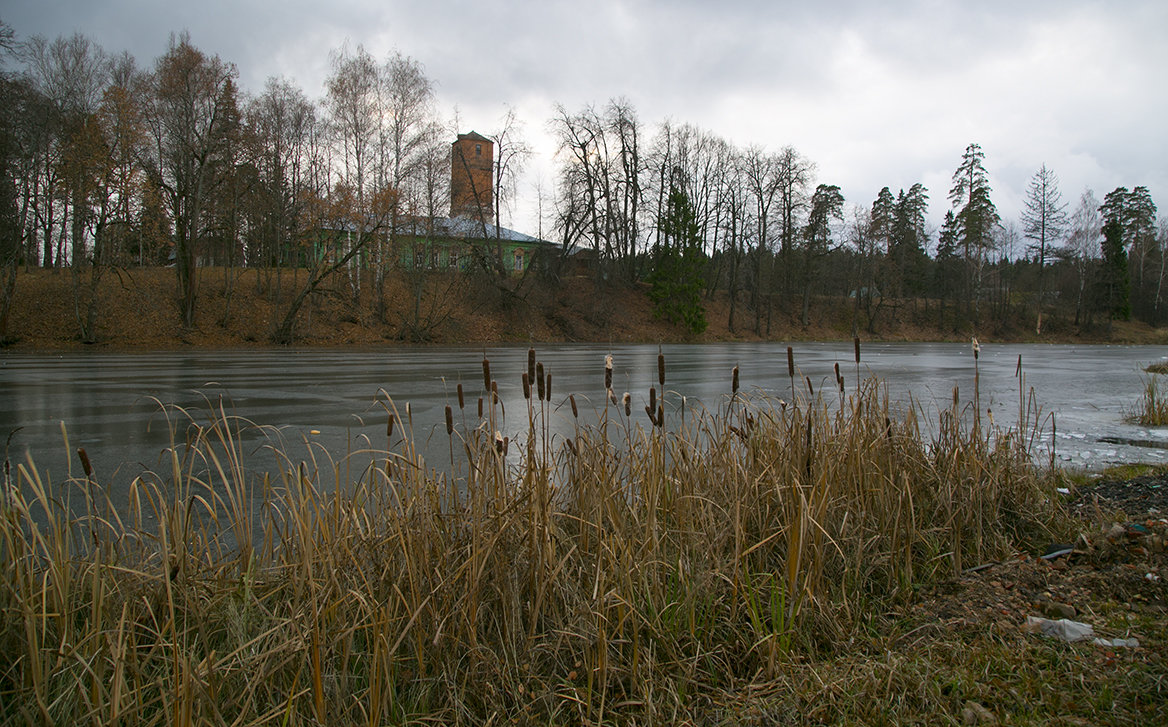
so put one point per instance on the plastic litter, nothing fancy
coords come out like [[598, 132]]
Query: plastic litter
[[1065, 629], [1118, 643]]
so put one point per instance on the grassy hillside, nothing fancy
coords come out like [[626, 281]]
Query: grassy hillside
[[240, 308]]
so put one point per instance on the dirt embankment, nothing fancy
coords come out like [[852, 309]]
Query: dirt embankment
[[138, 309]]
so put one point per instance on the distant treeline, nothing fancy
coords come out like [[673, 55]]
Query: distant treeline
[[107, 164]]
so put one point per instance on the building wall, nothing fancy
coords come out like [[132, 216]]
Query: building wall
[[471, 175]]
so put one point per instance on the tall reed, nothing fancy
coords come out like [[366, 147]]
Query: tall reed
[[620, 573]]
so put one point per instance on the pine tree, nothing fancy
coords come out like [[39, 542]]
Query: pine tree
[[977, 217], [676, 279]]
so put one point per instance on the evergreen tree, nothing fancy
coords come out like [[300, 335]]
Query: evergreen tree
[[977, 216], [1116, 283], [1129, 234], [827, 204], [676, 279], [908, 237]]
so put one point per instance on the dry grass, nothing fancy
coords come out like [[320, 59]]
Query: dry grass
[[629, 573], [1152, 409]]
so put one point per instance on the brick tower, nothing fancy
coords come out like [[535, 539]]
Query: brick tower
[[471, 188]]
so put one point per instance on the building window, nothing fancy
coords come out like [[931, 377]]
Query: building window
[[478, 150], [419, 259], [434, 260], [518, 261], [452, 258]]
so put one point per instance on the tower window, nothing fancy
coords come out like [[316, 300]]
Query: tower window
[[478, 150]]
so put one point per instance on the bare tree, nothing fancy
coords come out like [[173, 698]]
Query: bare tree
[[187, 113], [352, 88], [762, 171], [72, 73], [1044, 220]]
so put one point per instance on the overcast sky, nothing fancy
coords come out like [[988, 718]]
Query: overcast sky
[[877, 94]]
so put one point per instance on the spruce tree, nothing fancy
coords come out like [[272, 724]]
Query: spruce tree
[[676, 279]]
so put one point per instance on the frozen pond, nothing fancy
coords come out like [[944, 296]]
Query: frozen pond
[[112, 403]]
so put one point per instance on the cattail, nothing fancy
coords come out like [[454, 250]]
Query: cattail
[[480, 407], [976, 348], [499, 443], [486, 374], [526, 386], [389, 426], [531, 363], [449, 420], [627, 401], [85, 462], [539, 383], [837, 373], [652, 415], [790, 362], [1018, 371], [661, 370], [734, 382], [572, 401], [856, 345], [661, 415], [506, 445], [841, 384], [653, 398], [612, 397], [461, 401], [547, 388], [810, 388], [608, 372]]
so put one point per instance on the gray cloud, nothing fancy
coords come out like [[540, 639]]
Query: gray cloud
[[876, 93]]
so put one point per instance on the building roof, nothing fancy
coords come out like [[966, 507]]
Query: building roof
[[466, 228], [473, 136]]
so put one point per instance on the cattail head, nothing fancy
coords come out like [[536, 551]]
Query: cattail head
[[660, 415], [840, 381], [661, 370], [1018, 370], [790, 362], [734, 381], [531, 363], [572, 401], [547, 388], [449, 420], [976, 348], [461, 401], [85, 465], [539, 382], [389, 426], [652, 398], [837, 373], [627, 401], [856, 345], [480, 407], [486, 374], [499, 442], [526, 386], [810, 388], [608, 372]]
